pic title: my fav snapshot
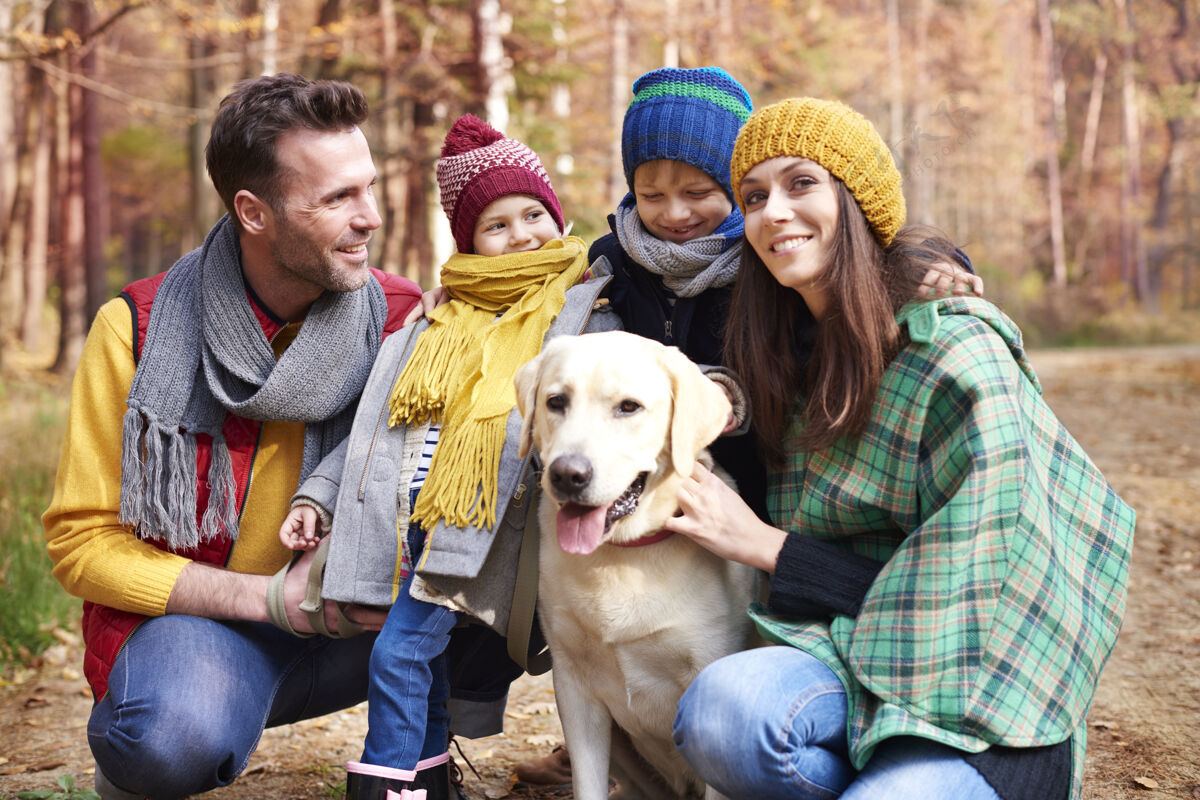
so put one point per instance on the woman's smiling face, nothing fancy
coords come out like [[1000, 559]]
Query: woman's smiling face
[[791, 210]]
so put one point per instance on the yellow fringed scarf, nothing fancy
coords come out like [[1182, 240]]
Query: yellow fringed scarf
[[461, 371]]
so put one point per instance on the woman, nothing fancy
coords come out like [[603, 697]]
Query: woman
[[948, 577]]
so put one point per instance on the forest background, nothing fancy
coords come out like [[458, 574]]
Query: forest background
[[1054, 139]]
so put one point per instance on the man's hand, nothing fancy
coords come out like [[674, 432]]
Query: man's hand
[[296, 584], [206, 590]]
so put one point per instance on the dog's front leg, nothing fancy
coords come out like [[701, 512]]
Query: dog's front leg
[[587, 729]]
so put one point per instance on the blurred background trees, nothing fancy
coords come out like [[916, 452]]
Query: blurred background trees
[[1055, 139]]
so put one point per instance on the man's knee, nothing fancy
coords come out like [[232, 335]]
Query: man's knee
[[167, 751]]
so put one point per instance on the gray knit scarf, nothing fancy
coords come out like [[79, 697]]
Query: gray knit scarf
[[687, 269], [206, 355]]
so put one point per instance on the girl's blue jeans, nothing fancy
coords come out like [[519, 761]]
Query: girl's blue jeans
[[407, 715], [188, 699], [770, 724]]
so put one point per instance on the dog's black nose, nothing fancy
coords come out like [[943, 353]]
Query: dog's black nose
[[570, 474]]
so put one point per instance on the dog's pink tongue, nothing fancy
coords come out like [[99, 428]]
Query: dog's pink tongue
[[580, 528]]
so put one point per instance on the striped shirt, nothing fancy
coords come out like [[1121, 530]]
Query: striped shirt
[[431, 440]]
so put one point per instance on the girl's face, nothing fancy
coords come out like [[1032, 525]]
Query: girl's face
[[678, 202], [791, 222], [513, 223]]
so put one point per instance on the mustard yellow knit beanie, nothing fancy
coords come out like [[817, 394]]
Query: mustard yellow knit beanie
[[838, 138]]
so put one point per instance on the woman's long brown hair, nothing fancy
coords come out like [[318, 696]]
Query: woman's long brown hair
[[855, 340]]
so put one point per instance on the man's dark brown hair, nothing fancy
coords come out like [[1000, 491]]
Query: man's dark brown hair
[[241, 147]]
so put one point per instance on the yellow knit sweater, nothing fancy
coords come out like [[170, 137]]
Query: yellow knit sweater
[[98, 559]]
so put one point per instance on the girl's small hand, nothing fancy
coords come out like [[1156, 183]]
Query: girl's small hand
[[718, 519], [301, 529]]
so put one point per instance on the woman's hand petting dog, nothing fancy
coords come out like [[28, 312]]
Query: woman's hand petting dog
[[715, 517]]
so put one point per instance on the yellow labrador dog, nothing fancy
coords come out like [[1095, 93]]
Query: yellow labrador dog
[[631, 615]]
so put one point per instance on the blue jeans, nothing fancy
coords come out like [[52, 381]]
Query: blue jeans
[[770, 724], [407, 715], [188, 699]]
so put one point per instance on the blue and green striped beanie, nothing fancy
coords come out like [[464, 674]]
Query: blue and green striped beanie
[[688, 115]]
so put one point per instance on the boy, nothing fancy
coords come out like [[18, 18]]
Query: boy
[[674, 250], [676, 238], [432, 457]]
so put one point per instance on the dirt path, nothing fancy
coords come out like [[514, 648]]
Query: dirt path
[[1136, 411]]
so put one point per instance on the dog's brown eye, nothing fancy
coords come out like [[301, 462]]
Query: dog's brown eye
[[629, 406], [556, 402]]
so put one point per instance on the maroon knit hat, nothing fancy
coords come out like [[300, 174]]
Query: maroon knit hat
[[479, 165]]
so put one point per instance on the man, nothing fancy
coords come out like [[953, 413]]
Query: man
[[203, 396]]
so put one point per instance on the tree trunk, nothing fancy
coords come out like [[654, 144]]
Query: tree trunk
[[37, 246], [1191, 249], [418, 249], [1133, 247], [94, 217], [1162, 244], [1165, 243], [251, 41], [491, 80], [718, 34], [72, 275], [260, 54], [560, 97], [201, 89], [1087, 163], [1052, 113], [920, 160], [10, 285], [324, 65], [270, 37], [8, 139], [391, 159], [895, 76], [670, 56], [618, 98]]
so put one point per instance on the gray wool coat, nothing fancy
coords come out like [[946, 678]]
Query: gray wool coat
[[364, 484]]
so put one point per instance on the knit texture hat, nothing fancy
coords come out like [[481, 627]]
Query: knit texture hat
[[688, 115], [479, 165], [838, 138]]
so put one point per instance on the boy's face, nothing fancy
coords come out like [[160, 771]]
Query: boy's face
[[512, 224], [678, 202]]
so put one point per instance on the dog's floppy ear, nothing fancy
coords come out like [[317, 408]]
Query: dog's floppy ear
[[700, 412], [526, 380]]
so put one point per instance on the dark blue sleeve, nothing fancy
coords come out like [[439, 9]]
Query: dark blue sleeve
[[817, 579]]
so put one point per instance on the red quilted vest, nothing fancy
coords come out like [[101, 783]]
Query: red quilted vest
[[106, 629]]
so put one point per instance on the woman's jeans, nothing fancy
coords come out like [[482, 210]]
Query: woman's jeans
[[407, 715], [771, 723], [188, 699]]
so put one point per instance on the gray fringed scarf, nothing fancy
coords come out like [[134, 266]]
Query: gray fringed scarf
[[205, 354], [687, 269]]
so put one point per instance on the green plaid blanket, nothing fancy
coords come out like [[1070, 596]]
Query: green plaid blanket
[[1005, 581]]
